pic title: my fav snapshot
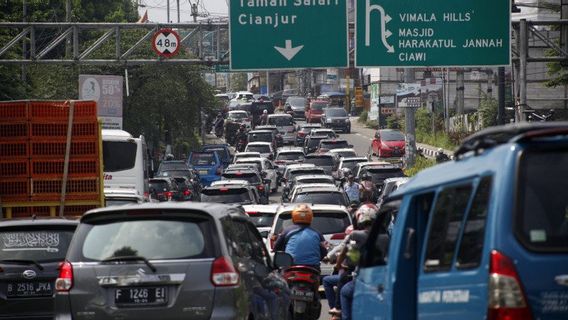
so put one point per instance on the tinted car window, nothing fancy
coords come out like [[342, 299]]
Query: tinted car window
[[318, 106], [334, 145], [336, 112], [261, 219], [250, 177], [471, 246], [258, 148], [324, 222], [260, 136], [351, 164], [37, 245], [321, 198], [232, 195], [392, 136], [290, 156], [238, 115], [119, 155], [445, 227], [296, 173], [320, 161], [314, 142], [202, 159], [315, 180], [280, 121], [152, 239], [159, 185], [379, 175], [541, 222]]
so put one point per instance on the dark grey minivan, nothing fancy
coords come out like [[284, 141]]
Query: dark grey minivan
[[170, 261], [30, 253]]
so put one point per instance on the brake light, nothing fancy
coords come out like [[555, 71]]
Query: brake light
[[260, 187], [301, 134], [223, 273], [64, 282], [146, 195], [168, 195], [223, 189], [252, 213], [338, 236], [507, 299], [187, 193]]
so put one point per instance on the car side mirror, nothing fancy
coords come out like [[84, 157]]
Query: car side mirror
[[282, 260]]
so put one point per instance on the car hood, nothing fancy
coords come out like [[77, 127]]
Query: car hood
[[394, 144], [297, 108], [338, 118]]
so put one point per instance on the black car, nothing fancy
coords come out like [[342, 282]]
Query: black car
[[30, 253], [303, 131], [336, 119], [171, 261], [186, 192], [330, 144], [179, 168], [163, 189], [312, 143], [296, 106], [253, 177]]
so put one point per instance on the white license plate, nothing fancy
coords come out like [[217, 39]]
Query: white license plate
[[302, 295]]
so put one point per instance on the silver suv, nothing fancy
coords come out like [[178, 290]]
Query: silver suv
[[169, 261]]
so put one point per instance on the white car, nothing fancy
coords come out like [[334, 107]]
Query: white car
[[262, 215], [344, 152], [264, 148], [359, 166], [240, 116], [319, 193], [324, 132], [118, 197], [265, 166], [242, 155], [330, 220]]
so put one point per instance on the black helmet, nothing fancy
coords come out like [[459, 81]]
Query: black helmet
[[242, 126]]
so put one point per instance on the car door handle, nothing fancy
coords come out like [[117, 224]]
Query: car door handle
[[381, 288]]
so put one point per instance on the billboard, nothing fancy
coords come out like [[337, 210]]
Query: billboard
[[107, 91]]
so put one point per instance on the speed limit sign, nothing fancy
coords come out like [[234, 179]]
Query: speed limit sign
[[166, 42]]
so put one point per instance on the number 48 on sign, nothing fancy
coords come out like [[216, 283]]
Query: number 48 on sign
[[165, 43]]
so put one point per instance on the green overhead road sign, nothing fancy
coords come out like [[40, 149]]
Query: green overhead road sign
[[418, 33], [288, 34]]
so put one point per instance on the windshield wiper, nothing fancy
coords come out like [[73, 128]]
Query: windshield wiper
[[23, 261], [131, 258]]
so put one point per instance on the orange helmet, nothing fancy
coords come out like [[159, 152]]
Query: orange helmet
[[302, 214]]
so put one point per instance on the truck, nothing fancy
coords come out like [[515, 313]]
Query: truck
[[50, 158]]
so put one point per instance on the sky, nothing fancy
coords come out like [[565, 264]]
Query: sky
[[157, 11]]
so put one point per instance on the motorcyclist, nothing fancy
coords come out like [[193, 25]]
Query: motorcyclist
[[241, 138], [305, 244], [368, 189], [264, 118], [219, 122]]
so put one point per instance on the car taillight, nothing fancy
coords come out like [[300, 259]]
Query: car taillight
[[338, 236], [507, 300], [223, 273], [168, 194], [260, 187], [252, 213], [64, 282], [301, 134], [187, 193]]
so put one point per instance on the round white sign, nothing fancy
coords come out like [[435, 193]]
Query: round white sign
[[166, 42]]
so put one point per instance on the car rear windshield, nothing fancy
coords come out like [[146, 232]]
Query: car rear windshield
[[280, 121], [250, 177], [221, 153], [226, 195], [334, 145], [148, 238], [314, 142], [379, 175], [320, 161], [261, 219], [321, 198], [261, 136], [238, 115], [315, 180], [296, 173], [202, 159], [40, 245], [159, 185], [324, 222], [119, 155], [351, 164], [344, 154], [119, 202], [175, 173], [318, 106], [336, 112], [290, 156], [258, 148], [296, 101], [542, 218], [169, 166], [392, 136]]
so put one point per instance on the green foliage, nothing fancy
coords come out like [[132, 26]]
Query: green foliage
[[488, 111], [420, 164], [437, 138], [395, 122], [238, 81], [373, 124], [363, 117]]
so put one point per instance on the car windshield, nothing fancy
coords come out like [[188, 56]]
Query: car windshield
[[202, 159], [336, 112], [280, 121], [392, 136], [261, 219], [119, 155], [296, 173], [290, 156], [378, 175], [40, 245], [250, 177], [260, 136], [159, 185], [258, 148], [297, 101], [326, 197], [329, 145], [149, 238], [226, 195], [318, 106], [320, 161], [238, 115], [324, 222], [541, 217]]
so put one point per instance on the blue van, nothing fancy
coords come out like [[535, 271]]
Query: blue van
[[484, 236], [207, 164], [222, 151]]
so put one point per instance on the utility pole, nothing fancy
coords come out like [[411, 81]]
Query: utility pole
[[564, 28], [523, 55], [194, 11], [460, 91], [68, 19], [501, 95], [168, 11], [489, 83], [24, 43], [409, 77], [177, 1]]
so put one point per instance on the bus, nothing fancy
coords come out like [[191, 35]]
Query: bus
[[125, 162]]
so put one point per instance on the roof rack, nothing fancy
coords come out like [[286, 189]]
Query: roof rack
[[494, 136]]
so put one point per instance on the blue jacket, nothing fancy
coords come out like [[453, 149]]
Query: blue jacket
[[303, 244]]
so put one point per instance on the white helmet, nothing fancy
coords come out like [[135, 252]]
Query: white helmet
[[265, 111], [366, 213]]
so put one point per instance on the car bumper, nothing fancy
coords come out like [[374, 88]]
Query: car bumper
[[298, 114]]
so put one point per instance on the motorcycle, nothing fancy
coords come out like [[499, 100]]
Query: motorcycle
[[304, 282]]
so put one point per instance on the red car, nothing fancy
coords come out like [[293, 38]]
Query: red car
[[388, 143], [315, 111]]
